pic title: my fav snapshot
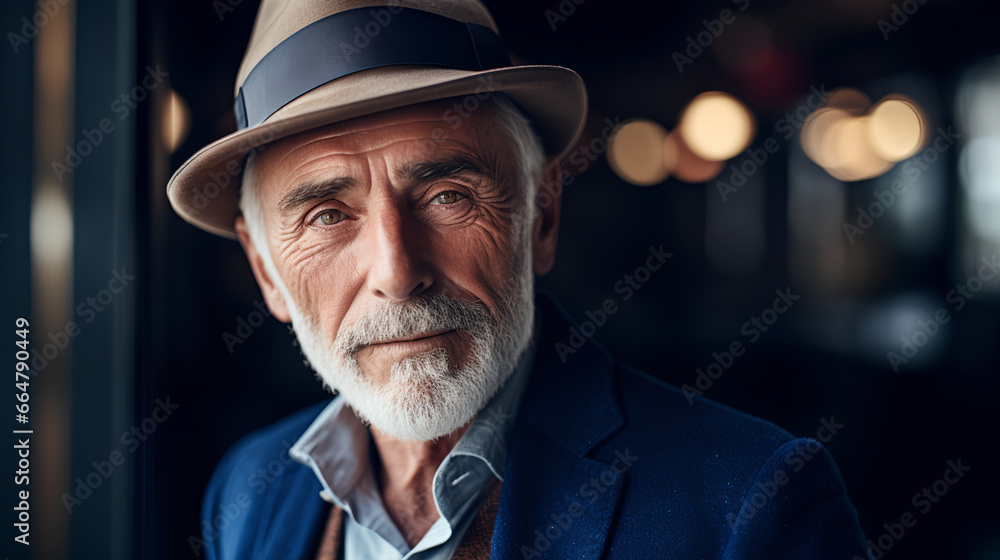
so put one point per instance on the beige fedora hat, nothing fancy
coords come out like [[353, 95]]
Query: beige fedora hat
[[316, 62]]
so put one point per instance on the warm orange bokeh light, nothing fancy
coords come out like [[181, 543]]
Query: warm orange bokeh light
[[897, 129], [854, 141], [636, 152], [176, 121], [717, 126]]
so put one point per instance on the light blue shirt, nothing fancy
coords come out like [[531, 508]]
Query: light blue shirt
[[337, 446]]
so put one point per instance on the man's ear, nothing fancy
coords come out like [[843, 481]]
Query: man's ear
[[272, 295], [545, 233]]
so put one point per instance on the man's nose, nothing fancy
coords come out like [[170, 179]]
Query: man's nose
[[395, 247]]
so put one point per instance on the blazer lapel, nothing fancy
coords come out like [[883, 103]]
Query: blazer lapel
[[556, 502], [294, 516]]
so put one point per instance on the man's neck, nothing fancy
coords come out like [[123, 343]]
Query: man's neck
[[405, 474]]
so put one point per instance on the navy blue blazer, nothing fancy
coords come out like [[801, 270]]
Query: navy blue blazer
[[605, 462]]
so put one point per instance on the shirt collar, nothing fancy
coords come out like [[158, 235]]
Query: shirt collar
[[481, 453]]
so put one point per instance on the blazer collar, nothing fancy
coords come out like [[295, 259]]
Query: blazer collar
[[570, 396], [557, 502]]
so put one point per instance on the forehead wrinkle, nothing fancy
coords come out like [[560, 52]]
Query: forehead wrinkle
[[302, 170], [385, 120], [388, 118], [336, 134], [308, 161]]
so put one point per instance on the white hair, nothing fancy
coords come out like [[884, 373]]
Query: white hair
[[527, 149]]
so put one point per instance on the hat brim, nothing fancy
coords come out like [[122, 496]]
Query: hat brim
[[205, 189]]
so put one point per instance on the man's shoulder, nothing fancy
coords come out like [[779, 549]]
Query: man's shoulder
[[263, 447], [651, 401], [733, 475], [238, 500]]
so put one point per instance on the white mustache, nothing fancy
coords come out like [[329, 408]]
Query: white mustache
[[411, 318]]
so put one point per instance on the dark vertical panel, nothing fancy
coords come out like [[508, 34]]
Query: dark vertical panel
[[108, 94], [149, 343], [16, 141]]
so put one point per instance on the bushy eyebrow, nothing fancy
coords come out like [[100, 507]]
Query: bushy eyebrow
[[311, 191], [433, 170]]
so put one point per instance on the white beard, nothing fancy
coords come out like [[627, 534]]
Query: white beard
[[425, 398]]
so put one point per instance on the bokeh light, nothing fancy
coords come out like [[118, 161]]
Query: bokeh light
[[897, 129], [717, 126], [51, 227], [815, 138], [176, 121], [636, 152], [853, 158], [853, 140]]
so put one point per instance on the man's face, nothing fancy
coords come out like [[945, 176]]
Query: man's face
[[402, 245]]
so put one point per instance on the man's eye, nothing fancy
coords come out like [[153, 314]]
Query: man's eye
[[329, 217], [447, 197]]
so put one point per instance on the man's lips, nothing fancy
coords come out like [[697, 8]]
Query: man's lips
[[413, 338]]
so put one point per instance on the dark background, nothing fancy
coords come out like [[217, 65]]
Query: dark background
[[825, 358]]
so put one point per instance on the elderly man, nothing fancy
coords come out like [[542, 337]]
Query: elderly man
[[399, 193]]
